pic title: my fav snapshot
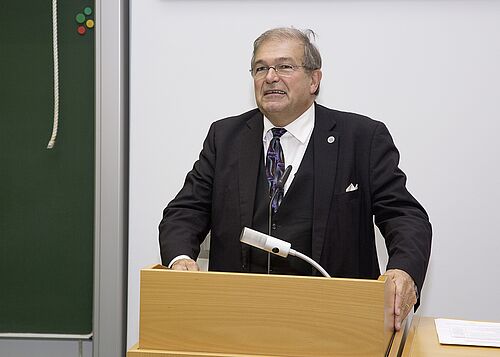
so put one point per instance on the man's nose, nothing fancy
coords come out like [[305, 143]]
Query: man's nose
[[272, 75]]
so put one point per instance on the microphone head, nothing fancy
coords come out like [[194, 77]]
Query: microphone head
[[284, 177], [265, 242]]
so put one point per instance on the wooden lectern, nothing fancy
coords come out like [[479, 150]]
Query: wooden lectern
[[213, 314]]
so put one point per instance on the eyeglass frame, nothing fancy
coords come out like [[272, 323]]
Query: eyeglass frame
[[277, 70]]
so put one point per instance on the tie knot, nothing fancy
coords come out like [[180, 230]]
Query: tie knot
[[278, 132]]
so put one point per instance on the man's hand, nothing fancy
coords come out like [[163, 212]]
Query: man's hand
[[185, 264], [405, 295]]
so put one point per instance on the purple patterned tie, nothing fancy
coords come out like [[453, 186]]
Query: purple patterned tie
[[275, 166]]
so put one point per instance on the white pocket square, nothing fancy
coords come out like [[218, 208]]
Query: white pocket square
[[351, 188]]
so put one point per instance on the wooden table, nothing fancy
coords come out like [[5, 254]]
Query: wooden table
[[422, 340]]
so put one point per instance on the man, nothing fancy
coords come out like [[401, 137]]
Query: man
[[344, 173]]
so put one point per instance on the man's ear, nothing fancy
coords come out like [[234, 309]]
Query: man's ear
[[315, 80]]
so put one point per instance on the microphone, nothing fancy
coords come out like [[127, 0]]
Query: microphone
[[263, 241], [280, 185], [276, 246], [281, 182]]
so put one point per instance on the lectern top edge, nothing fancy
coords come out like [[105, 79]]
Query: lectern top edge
[[155, 267]]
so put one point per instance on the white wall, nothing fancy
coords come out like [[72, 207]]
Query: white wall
[[428, 69]]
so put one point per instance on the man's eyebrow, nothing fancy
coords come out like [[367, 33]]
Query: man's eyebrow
[[284, 59], [276, 60]]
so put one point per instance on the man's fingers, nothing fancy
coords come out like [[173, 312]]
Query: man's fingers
[[192, 265], [405, 296], [399, 297], [179, 266], [186, 265], [405, 309]]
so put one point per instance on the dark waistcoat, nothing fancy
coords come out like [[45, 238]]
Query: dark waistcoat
[[292, 222]]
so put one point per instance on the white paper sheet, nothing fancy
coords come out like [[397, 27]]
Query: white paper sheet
[[471, 333]]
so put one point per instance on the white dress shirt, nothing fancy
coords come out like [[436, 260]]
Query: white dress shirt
[[294, 142]]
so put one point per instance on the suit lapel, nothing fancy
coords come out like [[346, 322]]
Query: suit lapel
[[326, 144], [248, 166]]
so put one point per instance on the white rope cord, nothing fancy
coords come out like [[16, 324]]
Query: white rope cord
[[55, 51]]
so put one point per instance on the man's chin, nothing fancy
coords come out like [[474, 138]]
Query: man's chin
[[273, 108]]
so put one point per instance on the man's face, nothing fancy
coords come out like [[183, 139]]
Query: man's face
[[283, 99]]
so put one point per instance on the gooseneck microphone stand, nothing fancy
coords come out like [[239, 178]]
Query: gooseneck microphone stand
[[276, 246]]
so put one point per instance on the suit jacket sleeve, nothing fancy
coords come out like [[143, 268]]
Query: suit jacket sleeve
[[401, 219], [186, 219]]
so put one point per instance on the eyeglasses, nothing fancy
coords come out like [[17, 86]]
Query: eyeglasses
[[282, 69]]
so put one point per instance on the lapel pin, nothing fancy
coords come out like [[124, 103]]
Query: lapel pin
[[330, 139]]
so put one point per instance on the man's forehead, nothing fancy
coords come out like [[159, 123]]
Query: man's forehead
[[279, 50]]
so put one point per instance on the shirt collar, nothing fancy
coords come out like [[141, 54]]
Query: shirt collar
[[300, 128]]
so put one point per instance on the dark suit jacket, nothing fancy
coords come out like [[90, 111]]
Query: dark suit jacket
[[219, 195]]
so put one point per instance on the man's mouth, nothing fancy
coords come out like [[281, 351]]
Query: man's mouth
[[274, 91]]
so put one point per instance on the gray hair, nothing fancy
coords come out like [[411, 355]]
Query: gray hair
[[312, 57]]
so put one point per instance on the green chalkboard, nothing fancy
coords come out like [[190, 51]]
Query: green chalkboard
[[46, 196]]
